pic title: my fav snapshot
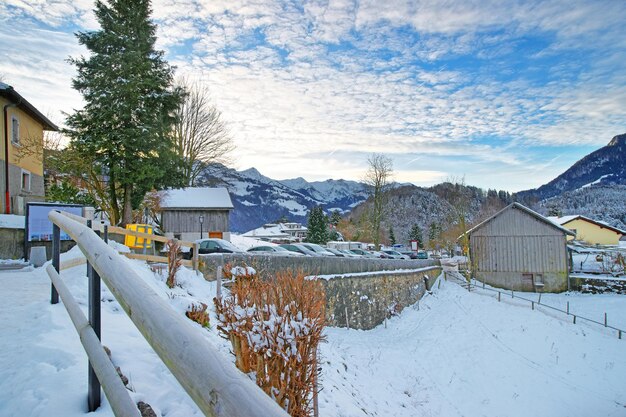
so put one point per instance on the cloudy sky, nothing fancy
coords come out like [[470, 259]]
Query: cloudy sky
[[506, 93]]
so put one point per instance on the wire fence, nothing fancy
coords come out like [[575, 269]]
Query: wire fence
[[476, 284]]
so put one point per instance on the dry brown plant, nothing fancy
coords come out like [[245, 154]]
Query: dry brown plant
[[275, 328], [198, 313], [173, 262]]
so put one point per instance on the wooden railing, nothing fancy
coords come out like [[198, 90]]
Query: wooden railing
[[214, 383]]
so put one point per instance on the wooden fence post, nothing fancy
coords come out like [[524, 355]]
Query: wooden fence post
[[194, 261], [218, 292]]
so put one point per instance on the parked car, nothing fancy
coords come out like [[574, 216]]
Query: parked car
[[318, 249], [299, 248], [422, 254], [336, 252], [394, 254], [349, 254], [378, 254], [213, 245], [274, 250], [363, 253], [411, 254]]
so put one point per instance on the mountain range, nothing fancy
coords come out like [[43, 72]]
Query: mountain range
[[595, 187], [258, 199]]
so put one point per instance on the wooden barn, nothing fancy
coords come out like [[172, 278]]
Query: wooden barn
[[519, 249], [196, 212]]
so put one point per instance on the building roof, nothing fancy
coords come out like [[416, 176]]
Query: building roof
[[525, 209], [567, 219], [274, 231], [8, 92], [196, 198]]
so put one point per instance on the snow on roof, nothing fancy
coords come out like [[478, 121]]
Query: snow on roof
[[562, 220], [196, 197], [526, 210], [267, 230], [11, 221]]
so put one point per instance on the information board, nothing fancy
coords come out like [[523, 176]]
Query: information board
[[38, 227]]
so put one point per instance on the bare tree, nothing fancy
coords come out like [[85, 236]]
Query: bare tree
[[378, 178], [200, 134]]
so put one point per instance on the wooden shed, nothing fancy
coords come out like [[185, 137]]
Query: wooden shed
[[196, 212], [519, 249]]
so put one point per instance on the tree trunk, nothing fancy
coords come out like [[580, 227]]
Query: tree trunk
[[115, 209], [127, 215]]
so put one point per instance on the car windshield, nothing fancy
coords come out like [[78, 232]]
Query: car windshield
[[314, 247], [227, 245]]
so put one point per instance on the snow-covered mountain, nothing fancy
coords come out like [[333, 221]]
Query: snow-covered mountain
[[259, 199], [606, 166]]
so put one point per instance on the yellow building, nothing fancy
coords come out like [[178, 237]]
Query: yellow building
[[22, 126], [589, 230]]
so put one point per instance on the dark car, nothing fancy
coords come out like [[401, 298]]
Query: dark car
[[206, 246]]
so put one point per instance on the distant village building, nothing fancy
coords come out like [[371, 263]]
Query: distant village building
[[279, 232], [589, 230], [21, 157], [195, 212], [519, 249]]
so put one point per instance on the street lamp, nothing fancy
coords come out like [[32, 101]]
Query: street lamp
[[201, 221]]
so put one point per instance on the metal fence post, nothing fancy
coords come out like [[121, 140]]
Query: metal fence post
[[567, 308], [605, 320], [93, 385], [56, 260], [498, 296]]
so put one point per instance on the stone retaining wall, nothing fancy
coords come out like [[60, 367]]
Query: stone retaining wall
[[363, 301], [11, 243], [268, 265]]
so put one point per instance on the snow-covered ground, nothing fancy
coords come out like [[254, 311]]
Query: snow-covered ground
[[460, 354]]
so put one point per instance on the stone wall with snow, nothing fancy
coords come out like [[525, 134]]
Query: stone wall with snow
[[364, 300], [268, 265]]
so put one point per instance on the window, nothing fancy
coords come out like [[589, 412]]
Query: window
[[15, 130], [25, 180]]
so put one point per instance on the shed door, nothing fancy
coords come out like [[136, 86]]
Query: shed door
[[528, 283], [216, 235]]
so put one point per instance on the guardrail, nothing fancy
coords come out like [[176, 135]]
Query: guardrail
[[215, 385], [469, 285]]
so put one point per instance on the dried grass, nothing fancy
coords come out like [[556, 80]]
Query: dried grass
[[275, 328]]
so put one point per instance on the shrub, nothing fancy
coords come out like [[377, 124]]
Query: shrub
[[275, 328], [198, 313]]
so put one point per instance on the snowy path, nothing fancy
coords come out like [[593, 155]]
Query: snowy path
[[37, 361], [465, 354]]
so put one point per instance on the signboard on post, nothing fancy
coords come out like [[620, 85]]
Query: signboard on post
[[414, 245], [38, 227]]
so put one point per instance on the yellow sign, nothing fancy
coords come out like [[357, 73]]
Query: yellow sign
[[135, 242]]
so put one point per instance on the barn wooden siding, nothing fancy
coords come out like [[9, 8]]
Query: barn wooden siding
[[515, 243], [187, 221]]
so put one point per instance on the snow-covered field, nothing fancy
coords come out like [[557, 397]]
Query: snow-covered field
[[460, 354]]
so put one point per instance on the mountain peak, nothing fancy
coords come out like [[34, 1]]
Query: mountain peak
[[618, 140]]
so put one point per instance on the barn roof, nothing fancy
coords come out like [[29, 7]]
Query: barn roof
[[566, 219], [196, 198], [525, 209]]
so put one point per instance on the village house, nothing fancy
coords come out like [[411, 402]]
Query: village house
[[21, 170], [519, 249], [195, 213], [279, 232], [589, 230]]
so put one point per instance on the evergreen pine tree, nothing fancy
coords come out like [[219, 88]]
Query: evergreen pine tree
[[392, 237], [129, 105], [434, 232], [335, 217], [317, 226], [416, 234]]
